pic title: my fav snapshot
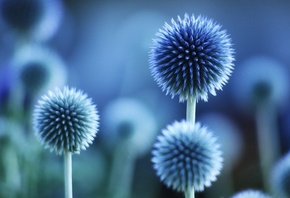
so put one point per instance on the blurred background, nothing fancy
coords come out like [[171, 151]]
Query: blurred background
[[101, 47]]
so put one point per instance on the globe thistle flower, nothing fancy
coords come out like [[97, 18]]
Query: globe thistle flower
[[260, 79], [130, 120], [39, 69], [187, 156], [191, 57], [66, 120], [37, 19], [280, 181], [251, 194]]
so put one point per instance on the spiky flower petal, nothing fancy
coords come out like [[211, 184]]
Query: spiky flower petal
[[191, 57], [187, 156], [66, 120], [251, 194], [281, 177]]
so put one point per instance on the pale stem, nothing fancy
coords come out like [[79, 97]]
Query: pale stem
[[190, 110], [190, 117], [268, 140], [68, 174], [189, 193], [120, 183]]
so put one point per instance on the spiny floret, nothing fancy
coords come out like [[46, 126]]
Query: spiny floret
[[251, 194], [187, 156], [191, 57], [66, 120]]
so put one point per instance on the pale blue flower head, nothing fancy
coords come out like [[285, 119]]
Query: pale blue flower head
[[39, 68], [191, 57], [66, 120], [187, 156], [280, 181], [260, 79], [251, 194], [129, 119]]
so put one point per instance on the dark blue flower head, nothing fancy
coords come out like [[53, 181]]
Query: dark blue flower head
[[281, 177], [66, 120], [39, 69], [251, 194], [191, 57], [36, 18], [22, 15], [187, 156]]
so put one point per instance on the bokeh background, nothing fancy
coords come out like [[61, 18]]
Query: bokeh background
[[104, 47]]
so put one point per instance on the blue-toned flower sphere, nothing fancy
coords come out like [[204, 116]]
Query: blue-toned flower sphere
[[66, 120], [281, 177], [39, 68], [22, 15], [187, 156], [258, 80], [191, 57], [36, 19], [131, 120], [251, 194]]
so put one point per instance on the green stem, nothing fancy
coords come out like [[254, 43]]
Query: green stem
[[189, 193], [190, 110], [68, 174]]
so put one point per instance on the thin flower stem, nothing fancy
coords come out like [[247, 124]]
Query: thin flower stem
[[122, 171], [189, 193], [190, 117], [190, 110], [267, 135], [68, 174]]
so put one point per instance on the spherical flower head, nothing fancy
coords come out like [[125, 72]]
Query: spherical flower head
[[281, 177], [39, 68], [34, 18], [22, 15], [128, 119], [187, 156], [251, 194], [191, 57], [260, 79], [66, 120]]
